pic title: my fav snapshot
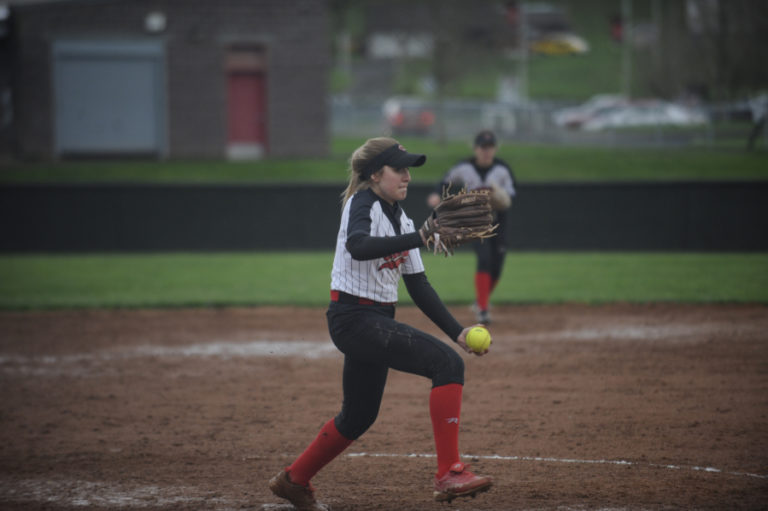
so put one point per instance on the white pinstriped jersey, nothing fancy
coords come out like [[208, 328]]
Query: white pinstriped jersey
[[498, 174], [375, 279]]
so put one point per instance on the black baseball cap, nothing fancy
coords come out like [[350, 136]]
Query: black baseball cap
[[485, 138], [395, 156]]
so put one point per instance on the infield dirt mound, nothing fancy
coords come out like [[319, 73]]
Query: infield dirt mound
[[575, 407]]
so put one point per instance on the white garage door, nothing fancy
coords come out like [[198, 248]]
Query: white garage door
[[110, 97]]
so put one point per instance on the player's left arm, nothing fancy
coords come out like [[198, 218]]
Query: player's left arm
[[361, 244], [364, 247]]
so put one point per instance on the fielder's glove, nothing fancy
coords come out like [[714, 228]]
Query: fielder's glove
[[458, 219]]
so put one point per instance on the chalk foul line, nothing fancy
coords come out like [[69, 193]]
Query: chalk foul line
[[497, 457]]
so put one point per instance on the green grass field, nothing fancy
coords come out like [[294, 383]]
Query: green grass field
[[531, 163], [202, 280], [171, 280]]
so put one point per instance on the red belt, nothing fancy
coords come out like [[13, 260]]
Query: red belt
[[342, 297]]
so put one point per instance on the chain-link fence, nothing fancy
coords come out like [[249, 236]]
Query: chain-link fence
[[636, 123]]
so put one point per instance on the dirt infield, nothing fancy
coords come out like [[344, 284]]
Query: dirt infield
[[576, 407]]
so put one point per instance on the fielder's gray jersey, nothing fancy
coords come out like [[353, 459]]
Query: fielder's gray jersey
[[375, 279], [466, 173]]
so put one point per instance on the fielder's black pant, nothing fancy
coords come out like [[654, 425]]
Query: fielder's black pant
[[491, 252], [372, 343], [490, 257]]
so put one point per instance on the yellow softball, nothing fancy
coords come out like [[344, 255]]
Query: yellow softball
[[478, 339]]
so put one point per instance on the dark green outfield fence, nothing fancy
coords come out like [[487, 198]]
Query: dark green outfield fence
[[686, 216]]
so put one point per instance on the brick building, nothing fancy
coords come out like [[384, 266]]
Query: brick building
[[166, 78]]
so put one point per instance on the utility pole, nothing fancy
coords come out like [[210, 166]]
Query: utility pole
[[522, 49], [626, 39]]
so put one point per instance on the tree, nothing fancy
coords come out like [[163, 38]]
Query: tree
[[714, 48]]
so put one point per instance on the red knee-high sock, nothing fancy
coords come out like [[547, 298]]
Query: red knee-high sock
[[482, 289], [445, 410], [328, 444]]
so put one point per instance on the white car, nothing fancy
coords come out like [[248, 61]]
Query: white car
[[574, 117], [645, 113]]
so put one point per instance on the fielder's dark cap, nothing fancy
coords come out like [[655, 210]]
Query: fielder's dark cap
[[485, 138], [395, 156]]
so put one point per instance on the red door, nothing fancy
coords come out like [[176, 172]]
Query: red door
[[247, 108]]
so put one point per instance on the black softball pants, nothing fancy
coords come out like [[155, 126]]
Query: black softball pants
[[373, 342], [492, 252]]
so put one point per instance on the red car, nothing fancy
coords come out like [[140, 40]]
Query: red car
[[408, 116]]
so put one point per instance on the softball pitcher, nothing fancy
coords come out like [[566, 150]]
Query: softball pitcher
[[484, 170], [377, 244]]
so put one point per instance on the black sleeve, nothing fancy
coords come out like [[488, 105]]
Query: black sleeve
[[425, 297], [509, 169], [440, 187], [445, 184], [360, 244], [363, 247]]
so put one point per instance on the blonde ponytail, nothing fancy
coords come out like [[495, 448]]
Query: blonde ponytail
[[357, 162]]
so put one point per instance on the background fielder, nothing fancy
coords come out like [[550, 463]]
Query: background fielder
[[484, 170]]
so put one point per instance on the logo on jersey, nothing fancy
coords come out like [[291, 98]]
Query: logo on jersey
[[391, 262]]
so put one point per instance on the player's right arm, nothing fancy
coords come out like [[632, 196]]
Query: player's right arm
[[427, 300]]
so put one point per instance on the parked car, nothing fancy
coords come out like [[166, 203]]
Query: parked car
[[408, 116], [573, 117], [645, 113], [607, 111]]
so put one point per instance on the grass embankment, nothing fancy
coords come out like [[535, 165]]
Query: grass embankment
[[531, 163], [174, 280]]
